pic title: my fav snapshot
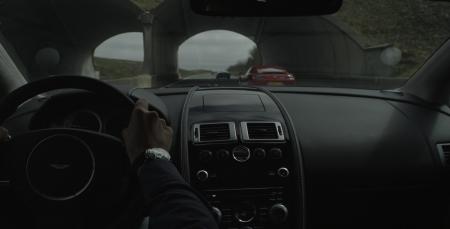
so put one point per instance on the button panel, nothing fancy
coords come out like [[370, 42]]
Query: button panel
[[254, 208], [240, 165]]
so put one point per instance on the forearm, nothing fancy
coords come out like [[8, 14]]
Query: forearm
[[172, 202]]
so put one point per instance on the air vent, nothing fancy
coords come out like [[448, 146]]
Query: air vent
[[214, 132], [262, 131], [444, 153]]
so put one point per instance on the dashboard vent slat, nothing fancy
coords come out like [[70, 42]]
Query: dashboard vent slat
[[214, 132], [444, 153], [262, 131]]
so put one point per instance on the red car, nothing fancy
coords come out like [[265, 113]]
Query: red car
[[268, 75]]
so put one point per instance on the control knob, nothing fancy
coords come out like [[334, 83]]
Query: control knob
[[217, 214], [276, 153], [241, 154], [202, 175], [245, 212], [278, 213], [283, 172]]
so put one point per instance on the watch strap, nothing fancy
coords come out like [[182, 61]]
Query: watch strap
[[150, 154], [156, 153]]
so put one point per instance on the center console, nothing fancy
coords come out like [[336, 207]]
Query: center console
[[241, 156]]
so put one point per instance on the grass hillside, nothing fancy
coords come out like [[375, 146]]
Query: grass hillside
[[186, 73], [416, 27], [110, 69], [116, 69]]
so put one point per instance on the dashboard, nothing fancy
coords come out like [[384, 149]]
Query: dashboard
[[290, 157]]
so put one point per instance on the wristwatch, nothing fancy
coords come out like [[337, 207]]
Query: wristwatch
[[150, 155], [156, 154]]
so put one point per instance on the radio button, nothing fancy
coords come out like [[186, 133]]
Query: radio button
[[259, 153], [205, 155], [222, 154], [276, 153]]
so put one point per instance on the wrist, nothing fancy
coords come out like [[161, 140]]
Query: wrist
[[136, 156]]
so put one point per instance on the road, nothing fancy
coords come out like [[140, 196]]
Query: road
[[205, 76]]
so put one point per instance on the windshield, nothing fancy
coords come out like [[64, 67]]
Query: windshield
[[366, 44]]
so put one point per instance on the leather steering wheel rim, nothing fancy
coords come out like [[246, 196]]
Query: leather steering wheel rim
[[13, 100]]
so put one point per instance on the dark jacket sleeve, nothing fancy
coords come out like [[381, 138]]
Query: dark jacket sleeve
[[172, 203]]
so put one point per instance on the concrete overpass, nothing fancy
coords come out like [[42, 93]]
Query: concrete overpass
[[308, 46]]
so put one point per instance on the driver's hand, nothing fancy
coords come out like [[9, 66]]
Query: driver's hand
[[4, 135], [145, 130]]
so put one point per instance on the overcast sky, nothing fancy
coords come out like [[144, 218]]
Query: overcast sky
[[127, 46], [212, 50]]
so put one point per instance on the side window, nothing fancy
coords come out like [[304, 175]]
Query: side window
[[119, 60]]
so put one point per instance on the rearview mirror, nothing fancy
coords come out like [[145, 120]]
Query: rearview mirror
[[265, 8]]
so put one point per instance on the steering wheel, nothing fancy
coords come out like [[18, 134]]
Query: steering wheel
[[70, 178]]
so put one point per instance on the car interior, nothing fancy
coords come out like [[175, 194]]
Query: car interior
[[337, 152]]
